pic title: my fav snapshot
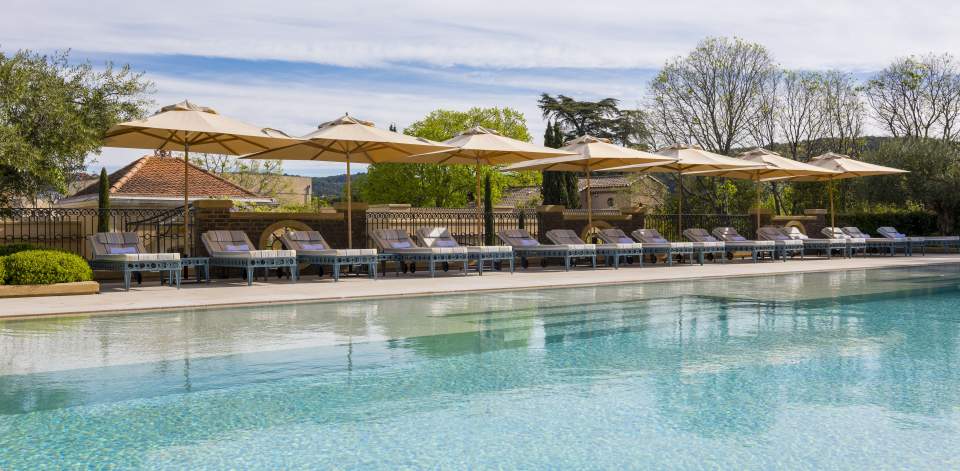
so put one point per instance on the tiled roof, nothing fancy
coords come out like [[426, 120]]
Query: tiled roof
[[163, 177], [604, 182]]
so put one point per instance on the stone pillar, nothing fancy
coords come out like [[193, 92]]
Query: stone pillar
[[209, 215], [360, 239], [551, 217]]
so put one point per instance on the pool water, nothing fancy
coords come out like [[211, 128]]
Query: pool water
[[842, 370]]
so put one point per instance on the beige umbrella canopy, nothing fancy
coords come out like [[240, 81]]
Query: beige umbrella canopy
[[843, 167], [771, 166], [591, 153], [351, 140], [185, 126], [687, 159], [481, 146]]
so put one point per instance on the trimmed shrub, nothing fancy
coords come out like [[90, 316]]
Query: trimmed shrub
[[45, 267], [14, 248], [3, 270], [912, 223]]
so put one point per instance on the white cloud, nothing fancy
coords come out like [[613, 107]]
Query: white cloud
[[497, 33], [499, 49]]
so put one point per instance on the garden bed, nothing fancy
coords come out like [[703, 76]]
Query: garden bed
[[56, 289]]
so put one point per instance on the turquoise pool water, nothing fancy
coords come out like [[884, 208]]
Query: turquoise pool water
[[850, 370]]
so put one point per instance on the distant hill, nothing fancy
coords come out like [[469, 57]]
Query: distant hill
[[332, 187]]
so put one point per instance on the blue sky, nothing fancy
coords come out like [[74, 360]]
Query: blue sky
[[293, 64]]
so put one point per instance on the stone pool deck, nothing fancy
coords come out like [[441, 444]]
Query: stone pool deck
[[151, 296]]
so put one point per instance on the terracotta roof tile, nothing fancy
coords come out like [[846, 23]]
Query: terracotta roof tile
[[163, 177]]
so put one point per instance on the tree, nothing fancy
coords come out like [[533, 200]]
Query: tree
[[263, 177], [103, 202], [843, 103], [446, 185], [602, 118], [934, 177], [53, 114], [917, 97], [720, 96], [801, 112], [556, 185], [711, 96]]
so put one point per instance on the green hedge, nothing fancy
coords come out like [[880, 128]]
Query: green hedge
[[14, 248], [44, 267], [3, 270], [912, 223]]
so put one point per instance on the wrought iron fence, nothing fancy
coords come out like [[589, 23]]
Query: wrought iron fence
[[466, 225], [160, 229], [666, 224]]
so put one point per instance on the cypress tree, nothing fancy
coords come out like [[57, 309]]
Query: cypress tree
[[103, 203], [553, 186], [568, 180]]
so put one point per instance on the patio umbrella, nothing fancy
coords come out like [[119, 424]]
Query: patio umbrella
[[591, 153], [186, 126], [481, 146], [351, 140], [687, 159], [772, 166], [844, 167]]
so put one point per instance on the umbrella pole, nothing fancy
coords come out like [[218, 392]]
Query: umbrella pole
[[349, 207], [476, 200], [680, 204], [833, 216], [756, 182], [589, 203], [186, 199]]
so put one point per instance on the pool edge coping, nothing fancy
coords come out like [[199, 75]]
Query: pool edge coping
[[335, 299]]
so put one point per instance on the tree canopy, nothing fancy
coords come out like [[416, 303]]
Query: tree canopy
[[446, 185], [603, 118], [53, 115]]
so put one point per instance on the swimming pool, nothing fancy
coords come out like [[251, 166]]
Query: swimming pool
[[856, 369]]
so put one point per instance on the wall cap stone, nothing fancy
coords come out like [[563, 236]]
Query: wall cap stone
[[213, 204]]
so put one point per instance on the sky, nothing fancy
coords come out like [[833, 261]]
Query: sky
[[291, 65]]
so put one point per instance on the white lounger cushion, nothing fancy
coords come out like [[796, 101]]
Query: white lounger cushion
[[630, 246], [490, 248], [709, 245], [579, 246], [338, 252], [139, 257], [256, 254]]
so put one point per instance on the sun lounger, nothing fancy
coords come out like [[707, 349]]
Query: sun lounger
[[627, 247], [827, 246], [123, 252], [397, 242], [880, 244], [738, 243], [854, 244], [311, 248], [233, 249], [785, 245], [612, 252], [526, 247], [911, 243], [655, 243], [704, 243], [439, 237], [939, 241]]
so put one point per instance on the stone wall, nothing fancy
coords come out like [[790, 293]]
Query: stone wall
[[331, 222]]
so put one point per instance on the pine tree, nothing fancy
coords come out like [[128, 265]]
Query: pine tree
[[103, 218]]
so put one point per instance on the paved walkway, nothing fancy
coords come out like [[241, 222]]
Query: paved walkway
[[151, 296]]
